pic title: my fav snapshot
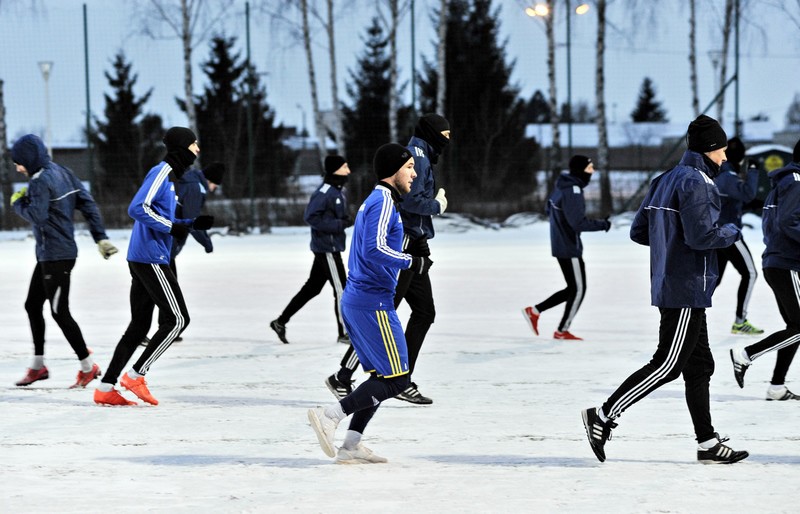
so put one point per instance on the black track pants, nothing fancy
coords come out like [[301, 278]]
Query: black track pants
[[739, 255], [574, 271], [327, 267]]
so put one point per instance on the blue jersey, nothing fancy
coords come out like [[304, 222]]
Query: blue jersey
[[375, 253], [153, 212]]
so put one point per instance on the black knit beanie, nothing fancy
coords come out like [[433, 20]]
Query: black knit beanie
[[429, 128], [214, 172], [796, 153], [389, 159], [705, 135], [179, 157], [577, 167], [333, 163]]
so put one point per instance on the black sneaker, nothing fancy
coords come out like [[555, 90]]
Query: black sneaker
[[412, 395], [279, 329], [739, 367], [720, 453], [597, 432], [337, 387]]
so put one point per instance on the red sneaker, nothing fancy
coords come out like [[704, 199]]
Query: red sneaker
[[566, 335], [110, 398], [34, 375], [532, 318], [85, 378], [139, 388]]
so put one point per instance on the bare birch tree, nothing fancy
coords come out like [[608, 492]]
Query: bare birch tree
[[441, 59], [312, 79], [336, 107], [606, 202], [397, 9], [555, 145], [723, 60], [693, 57]]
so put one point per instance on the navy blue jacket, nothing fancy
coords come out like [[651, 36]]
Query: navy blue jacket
[[781, 219], [567, 211], [54, 193], [418, 205], [735, 192], [678, 221], [192, 189], [328, 216]]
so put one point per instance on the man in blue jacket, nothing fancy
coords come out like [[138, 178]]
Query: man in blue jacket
[[153, 284], [48, 203], [678, 221], [368, 307], [567, 211], [328, 216], [781, 264], [734, 193]]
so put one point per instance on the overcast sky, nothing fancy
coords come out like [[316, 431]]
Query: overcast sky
[[636, 49]]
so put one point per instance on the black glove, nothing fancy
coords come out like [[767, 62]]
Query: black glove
[[608, 224], [203, 222], [421, 265], [180, 231], [419, 247]]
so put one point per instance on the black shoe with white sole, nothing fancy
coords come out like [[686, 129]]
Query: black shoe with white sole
[[720, 453], [412, 395]]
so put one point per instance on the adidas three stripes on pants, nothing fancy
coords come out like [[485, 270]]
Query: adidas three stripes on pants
[[738, 254], [152, 285], [574, 271], [682, 349]]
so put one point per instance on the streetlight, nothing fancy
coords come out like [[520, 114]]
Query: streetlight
[[543, 10], [46, 66]]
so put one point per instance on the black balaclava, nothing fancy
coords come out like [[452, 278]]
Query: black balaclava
[[429, 128], [713, 167], [577, 167], [332, 165], [178, 141]]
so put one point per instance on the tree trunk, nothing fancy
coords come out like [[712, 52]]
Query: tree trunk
[[441, 59], [394, 130], [318, 124], [555, 146], [723, 59], [693, 57], [337, 111], [606, 202], [5, 166], [186, 38]]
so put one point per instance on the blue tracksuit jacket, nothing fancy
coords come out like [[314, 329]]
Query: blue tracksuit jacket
[[567, 211], [375, 252], [734, 193], [192, 189], [678, 221], [418, 205], [54, 193], [781, 220], [327, 215]]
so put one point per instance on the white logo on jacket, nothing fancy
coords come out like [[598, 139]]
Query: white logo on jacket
[[576, 190]]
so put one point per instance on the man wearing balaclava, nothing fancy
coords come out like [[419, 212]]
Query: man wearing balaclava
[[153, 283], [678, 221], [734, 193], [781, 265], [567, 211]]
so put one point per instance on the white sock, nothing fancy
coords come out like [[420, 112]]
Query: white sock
[[105, 387], [773, 387], [706, 445], [601, 415], [535, 310], [335, 411], [351, 440], [133, 374], [86, 364], [743, 355], [38, 362]]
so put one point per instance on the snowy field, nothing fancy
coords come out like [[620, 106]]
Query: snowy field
[[504, 433]]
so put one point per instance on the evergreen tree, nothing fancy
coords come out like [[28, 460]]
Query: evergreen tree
[[488, 156], [128, 145], [538, 109], [647, 107], [793, 114]]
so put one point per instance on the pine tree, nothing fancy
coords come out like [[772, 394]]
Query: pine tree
[[127, 144], [538, 109], [648, 109], [488, 156]]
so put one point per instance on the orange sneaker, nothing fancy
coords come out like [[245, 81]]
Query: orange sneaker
[[138, 387], [110, 398], [566, 336], [34, 375], [532, 318], [85, 378]]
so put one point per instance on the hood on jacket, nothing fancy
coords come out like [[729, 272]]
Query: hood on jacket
[[29, 150], [701, 162], [565, 180], [776, 175]]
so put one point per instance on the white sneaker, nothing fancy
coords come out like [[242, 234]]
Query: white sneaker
[[781, 394], [359, 455], [325, 428]]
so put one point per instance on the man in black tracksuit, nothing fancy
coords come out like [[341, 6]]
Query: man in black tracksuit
[[781, 262], [417, 208], [328, 216], [678, 221], [567, 211]]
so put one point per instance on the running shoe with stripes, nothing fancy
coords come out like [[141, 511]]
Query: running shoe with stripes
[[358, 455], [746, 328], [720, 453], [138, 387], [597, 431], [781, 394], [740, 365], [337, 387], [532, 318], [412, 395], [84, 378], [279, 329]]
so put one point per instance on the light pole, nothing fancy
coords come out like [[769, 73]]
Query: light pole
[[46, 66]]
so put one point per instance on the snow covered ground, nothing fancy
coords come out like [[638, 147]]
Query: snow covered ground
[[503, 435]]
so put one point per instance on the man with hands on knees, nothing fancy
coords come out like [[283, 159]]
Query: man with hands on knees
[[48, 203], [153, 283]]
